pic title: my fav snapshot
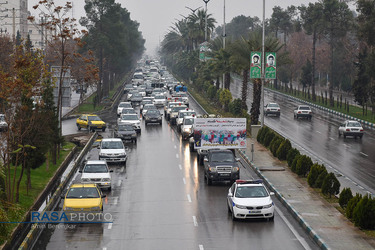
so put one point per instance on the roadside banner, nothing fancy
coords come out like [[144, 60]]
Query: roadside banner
[[270, 65], [219, 133], [255, 64]]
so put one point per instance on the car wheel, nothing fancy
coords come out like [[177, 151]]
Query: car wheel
[[110, 188], [233, 217], [344, 136], [178, 129], [271, 218], [360, 136], [229, 211], [78, 127], [191, 147], [146, 123], [103, 129], [209, 181], [200, 160], [89, 129], [160, 123], [339, 134]]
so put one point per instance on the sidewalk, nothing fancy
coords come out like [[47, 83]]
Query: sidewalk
[[324, 223]]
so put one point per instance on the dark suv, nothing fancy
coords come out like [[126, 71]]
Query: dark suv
[[221, 165]]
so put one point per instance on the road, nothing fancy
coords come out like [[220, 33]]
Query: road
[[160, 201], [351, 157]]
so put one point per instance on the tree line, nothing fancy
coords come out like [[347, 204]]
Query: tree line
[[323, 43]]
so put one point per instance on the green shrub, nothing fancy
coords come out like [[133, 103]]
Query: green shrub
[[4, 227], [345, 196], [268, 138], [206, 86], [320, 179], [331, 185], [291, 155], [263, 131], [211, 92], [294, 163], [235, 107], [276, 144], [259, 135], [303, 166], [352, 204], [364, 213], [283, 150], [315, 171]]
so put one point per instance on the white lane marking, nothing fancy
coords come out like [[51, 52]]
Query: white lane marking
[[299, 238], [348, 146], [318, 132], [179, 166], [119, 183], [201, 247], [177, 155], [104, 248], [122, 169], [184, 180], [195, 221], [189, 198], [363, 154], [110, 226], [331, 138], [175, 146], [115, 200]]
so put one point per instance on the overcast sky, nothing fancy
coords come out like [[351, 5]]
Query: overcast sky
[[156, 16]]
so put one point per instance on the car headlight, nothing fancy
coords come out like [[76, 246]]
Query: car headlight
[[68, 209], [187, 129], [268, 206], [106, 179], [95, 208], [240, 207], [236, 169], [147, 118], [85, 179], [212, 169]]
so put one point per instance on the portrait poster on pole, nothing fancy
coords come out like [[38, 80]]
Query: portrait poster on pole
[[270, 65], [255, 64]]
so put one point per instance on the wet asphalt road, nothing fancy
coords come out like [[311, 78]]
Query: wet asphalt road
[[160, 201], [353, 158]]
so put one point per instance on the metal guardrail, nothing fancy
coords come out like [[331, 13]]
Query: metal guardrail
[[35, 231]]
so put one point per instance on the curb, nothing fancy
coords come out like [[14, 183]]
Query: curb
[[316, 238]]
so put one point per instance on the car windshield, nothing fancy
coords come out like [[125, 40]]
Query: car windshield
[[251, 192], [128, 111], [222, 157], [125, 105], [2, 118], [112, 145], [95, 168], [93, 118], [138, 76], [354, 124], [149, 106], [129, 117], [137, 95], [159, 97], [273, 105], [177, 108], [153, 111], [304, 108], [83, 192], [126, 127], [189, 121]]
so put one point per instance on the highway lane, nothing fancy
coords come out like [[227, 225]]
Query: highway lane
[[351, 157], [160, 201]]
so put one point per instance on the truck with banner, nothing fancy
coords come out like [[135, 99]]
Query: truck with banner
[[220, 133]]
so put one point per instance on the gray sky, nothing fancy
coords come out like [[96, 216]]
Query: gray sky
[[156, 16]]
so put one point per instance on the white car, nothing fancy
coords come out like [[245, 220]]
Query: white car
[[123, 105], [181, 115], [272, 109], [97, 172], [131, 92], [187, 127], [303, 111], [160, 100], [250, 199], [174, 112], [138, 78], [132, 119], [112, 150], [351, 128]]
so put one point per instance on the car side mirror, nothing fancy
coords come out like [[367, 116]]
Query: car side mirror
[[111, 171], [205, 159], [272, 193], [230, 194], [237, 159], [62, 196], [80, 171], [104, 195]]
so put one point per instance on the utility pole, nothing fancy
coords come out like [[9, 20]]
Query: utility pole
[[205, 26], [263, 77], [224, 35], [14, 24]]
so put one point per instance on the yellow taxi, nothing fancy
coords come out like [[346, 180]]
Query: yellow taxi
[[91, 122], [83, 197]]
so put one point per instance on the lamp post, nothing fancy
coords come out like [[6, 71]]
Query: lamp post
[[205, 26], [224, 35], [263, 77]]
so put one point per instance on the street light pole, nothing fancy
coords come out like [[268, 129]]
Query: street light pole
[[263, 77], [205, 26], [224, 35]]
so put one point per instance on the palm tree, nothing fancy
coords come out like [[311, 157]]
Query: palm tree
[[197, 26]]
